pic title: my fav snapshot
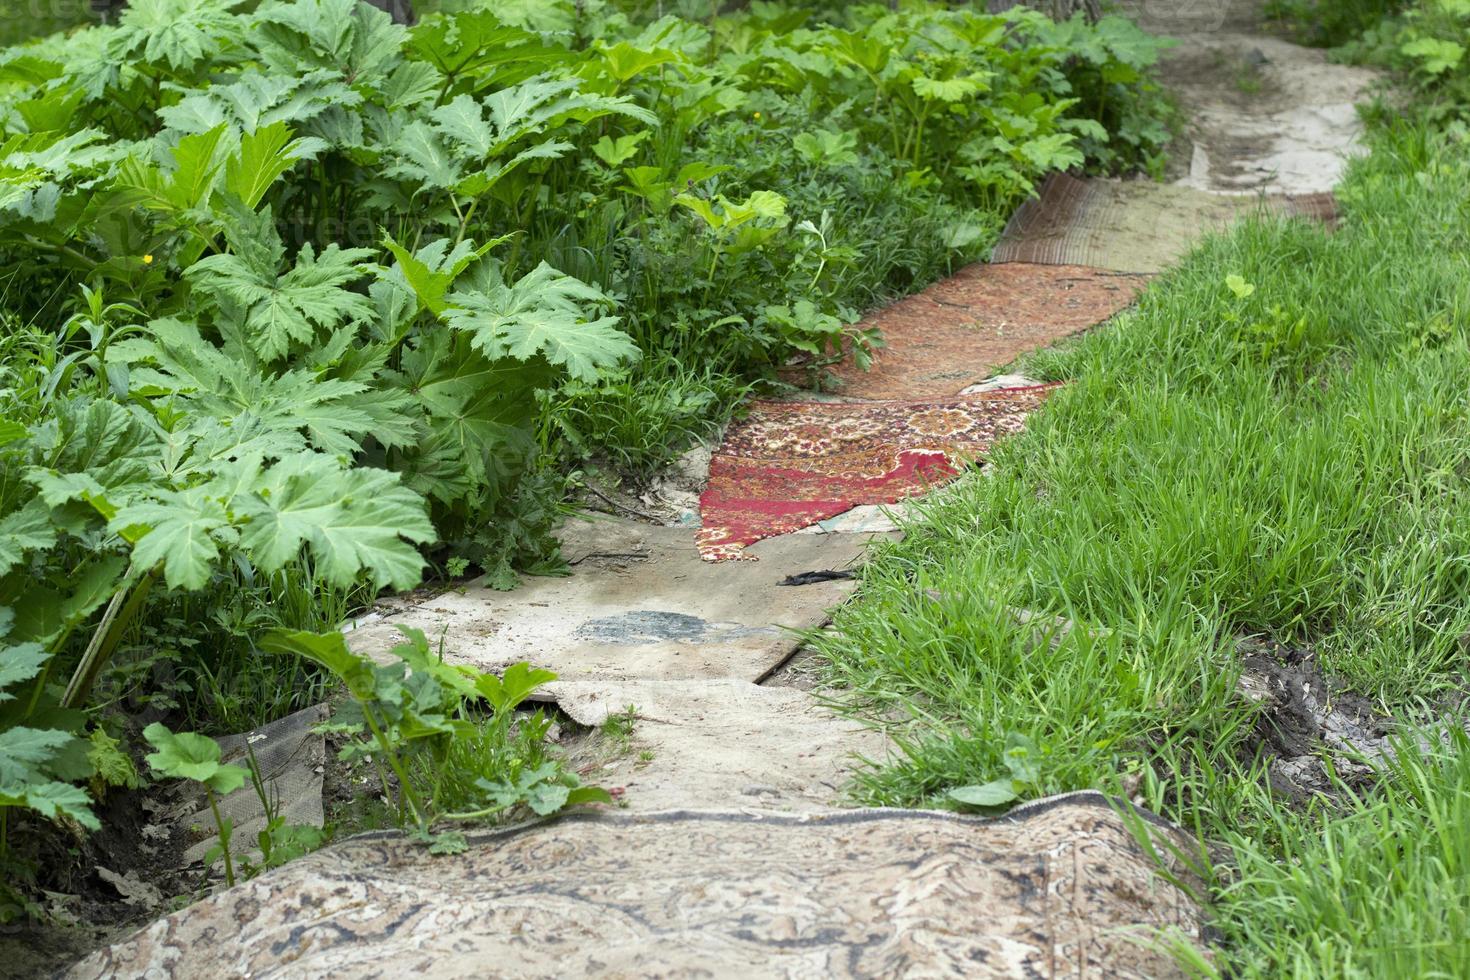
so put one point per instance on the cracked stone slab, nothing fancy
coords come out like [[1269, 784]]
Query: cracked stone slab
[[1060, 888], [863, 519], [639, 604], [723, 743]]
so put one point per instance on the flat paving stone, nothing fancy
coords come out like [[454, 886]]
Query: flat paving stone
[[723, 743], [1060, 888], [639, 604], [1132, 225], [1266, 115]]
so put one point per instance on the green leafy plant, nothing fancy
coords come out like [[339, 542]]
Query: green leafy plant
[[304, 302], [279, 841], [1021, 761], [1434, 46], [407, 716], [186, 755]]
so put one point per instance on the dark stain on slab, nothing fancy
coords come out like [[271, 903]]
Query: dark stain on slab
[[645, 626]]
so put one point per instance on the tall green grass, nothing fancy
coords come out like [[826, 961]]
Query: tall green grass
[[1381, 889], [1274, 441]]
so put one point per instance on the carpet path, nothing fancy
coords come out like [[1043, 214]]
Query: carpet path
[[789, 465], [903, 425], [733, 858]]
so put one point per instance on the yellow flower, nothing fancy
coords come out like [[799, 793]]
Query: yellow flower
[[147, 260], [756, 116]]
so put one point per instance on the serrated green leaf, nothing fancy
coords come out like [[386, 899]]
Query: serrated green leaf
[[52, 799], [25, 530], [431, 270], [330, 651], [186, 755], [543, 314], [11, 432], [20, 663], [616, 152], [291, 307], [519, 681], [546, 798], [179, 33], [264, 156], [196, 166], [25, 752], [355, 521], [181, 535]]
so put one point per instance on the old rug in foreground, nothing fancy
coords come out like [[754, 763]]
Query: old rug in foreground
[[1060, 888]]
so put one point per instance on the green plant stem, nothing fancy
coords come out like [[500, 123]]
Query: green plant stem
[[476, 814], [115, 621], [405, 790], [224, 836]]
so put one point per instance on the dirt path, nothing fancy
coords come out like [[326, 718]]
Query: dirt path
[[732, 883]]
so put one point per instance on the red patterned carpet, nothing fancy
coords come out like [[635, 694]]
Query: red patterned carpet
[[792, 464], [983, 317]]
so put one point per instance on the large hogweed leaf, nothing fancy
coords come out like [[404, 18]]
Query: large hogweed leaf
[[178, 33], [254, 99], [478, 415], [263, 157], [352, 521], [433, 269], [357, 41], [477, 45], [356, 522], [543, 314], [272, 413], [282, 309], [469, 145]]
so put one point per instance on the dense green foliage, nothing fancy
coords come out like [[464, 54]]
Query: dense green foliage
[[1330, 23], [1431, 45], [1426, 43], [38, 18], [302, 303], [1272, 443]]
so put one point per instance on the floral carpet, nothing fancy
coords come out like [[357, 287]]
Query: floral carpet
[[792, 464], [944, 338]]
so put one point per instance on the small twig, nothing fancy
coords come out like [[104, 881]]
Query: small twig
[[623, 507]]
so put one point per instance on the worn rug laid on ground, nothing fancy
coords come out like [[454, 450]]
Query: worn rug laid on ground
[[963, 328], [1057, 888], [791, 464]]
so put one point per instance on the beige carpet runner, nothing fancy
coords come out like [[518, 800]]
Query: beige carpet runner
[[1059, 888]]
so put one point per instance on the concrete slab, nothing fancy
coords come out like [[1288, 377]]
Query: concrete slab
[[724, 743], [1266, 115], [1001, 382], [1059, 888], [1132, 225], [866, 519], [639, 604]]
